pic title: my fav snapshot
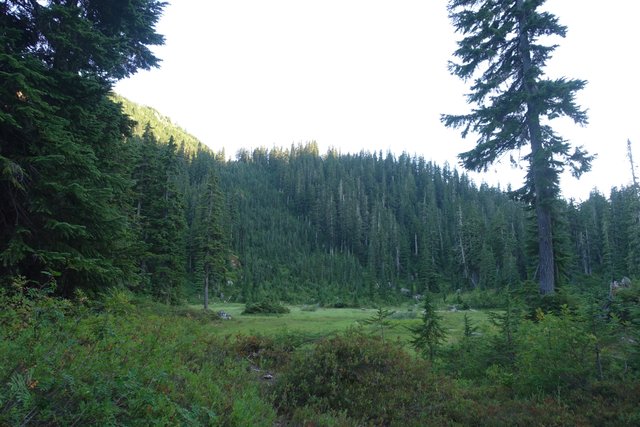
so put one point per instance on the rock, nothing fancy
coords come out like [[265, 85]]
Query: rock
[[223, 315], [624, 283]]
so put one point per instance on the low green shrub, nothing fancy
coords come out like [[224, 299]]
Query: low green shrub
[[365, 379], [111, 363], [265, 307], [480, 299], [340, 304], [267, 352], [401, 315], [554, 354], [529, 295]]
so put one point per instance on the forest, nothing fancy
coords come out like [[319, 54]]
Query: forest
[[125, 243]]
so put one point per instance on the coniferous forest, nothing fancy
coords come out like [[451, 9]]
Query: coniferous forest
[[117, 227]]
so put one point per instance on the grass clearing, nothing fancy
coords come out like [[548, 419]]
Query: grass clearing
[[324, 322]]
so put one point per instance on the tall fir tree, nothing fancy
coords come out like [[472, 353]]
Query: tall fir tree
[[160, 219], [503, 50], [64, 181], [210, 241]]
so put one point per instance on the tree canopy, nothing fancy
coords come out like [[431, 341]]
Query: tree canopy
[[64, 178]]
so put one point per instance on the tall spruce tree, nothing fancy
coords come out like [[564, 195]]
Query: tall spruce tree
[[210, 237], [64, 180], [504, 51]]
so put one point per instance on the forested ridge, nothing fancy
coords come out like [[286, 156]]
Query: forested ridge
[[303, 226]]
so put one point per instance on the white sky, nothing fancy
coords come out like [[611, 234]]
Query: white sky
[[372, 75]]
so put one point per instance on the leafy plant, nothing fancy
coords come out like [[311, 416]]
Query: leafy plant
[[555, 354]]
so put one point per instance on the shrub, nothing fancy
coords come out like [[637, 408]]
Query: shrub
[[554, 303], [481, 298], [401, 315], [268, 352], [120, 366], [340, 304], [364, 379], [265, 307], [555, 353]]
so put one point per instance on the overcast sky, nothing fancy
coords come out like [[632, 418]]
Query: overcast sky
[[372, 75]]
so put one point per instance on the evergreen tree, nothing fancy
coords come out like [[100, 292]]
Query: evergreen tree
[[380, 320], [502, 51], [64, 183], [428, 335], [210, 238], [160, 219], [507, 323]]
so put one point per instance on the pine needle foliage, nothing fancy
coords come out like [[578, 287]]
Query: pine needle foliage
[[430, 334], [65, 179], [381, 320]]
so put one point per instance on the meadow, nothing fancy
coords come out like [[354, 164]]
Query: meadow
[[319, 322]]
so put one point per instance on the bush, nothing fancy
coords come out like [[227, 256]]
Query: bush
[[340, 304], [554, 303], [478, 298], [268, 352], [562, 346], [119, 365], [365, 379], [265, 307], [401, 315]]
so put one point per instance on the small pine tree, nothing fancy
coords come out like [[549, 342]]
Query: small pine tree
[[428, 335], [469, 328], [380, 320], [507, 322]]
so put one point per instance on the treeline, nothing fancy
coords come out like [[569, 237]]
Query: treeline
[[372, 225], [167, 216], [295, 225], [368, 225]]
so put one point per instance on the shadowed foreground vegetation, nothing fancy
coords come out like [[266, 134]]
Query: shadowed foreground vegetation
[[129, 361]]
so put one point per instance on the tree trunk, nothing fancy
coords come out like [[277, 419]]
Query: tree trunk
[[206, 290], [539, 163], [545, 248]]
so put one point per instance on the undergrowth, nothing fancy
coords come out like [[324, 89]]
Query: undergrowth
[[110, 362], [122, 360]]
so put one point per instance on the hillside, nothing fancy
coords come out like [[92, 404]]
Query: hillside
[[302, 226], [163, 127]]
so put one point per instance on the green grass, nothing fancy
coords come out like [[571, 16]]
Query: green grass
[[325, 322]]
